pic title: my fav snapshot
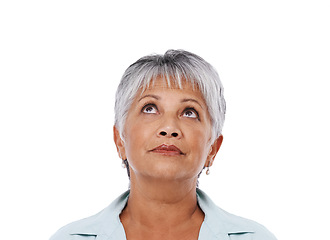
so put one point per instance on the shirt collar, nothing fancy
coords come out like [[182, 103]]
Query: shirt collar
[[218, 220], [107, 222]]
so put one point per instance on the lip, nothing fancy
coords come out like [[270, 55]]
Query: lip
[[170, 150]]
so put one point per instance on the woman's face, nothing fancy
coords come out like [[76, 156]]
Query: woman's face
[[167, 133]]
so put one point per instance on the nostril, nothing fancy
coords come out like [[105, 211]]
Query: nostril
[[174, 134], [163, 133]]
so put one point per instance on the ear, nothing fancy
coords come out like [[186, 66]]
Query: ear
[[119, 143], [213, 151]]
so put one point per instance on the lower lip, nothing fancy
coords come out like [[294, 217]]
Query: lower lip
[[167, 153]]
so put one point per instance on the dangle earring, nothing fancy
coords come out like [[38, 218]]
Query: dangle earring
[[123, 165], [208, 169]]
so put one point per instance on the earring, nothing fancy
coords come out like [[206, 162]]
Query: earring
[[208, 169], [123, 165]]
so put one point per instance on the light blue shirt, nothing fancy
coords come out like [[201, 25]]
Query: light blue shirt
[[217, 225]]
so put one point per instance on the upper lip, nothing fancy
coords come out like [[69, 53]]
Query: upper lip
[[170, 148]]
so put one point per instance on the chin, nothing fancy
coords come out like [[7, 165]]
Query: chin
[[169, 173]]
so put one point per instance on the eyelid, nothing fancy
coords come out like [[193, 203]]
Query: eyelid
[[152, 104], [192, 109], [149, 104]]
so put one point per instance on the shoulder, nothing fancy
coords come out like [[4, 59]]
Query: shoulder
[[83, 227], [239, 226], [104, 223], [222, 222]]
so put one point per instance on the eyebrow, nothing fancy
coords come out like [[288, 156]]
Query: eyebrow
[[191, 100], [150, 95], [183, 100]]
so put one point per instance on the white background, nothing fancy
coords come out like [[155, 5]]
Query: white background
[[61, 61]]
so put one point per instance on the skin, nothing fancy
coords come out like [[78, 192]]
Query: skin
[[162, 202]]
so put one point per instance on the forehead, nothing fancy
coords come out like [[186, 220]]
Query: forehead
[[172, 83], [162, 84]]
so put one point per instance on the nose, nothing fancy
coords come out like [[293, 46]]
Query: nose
[[164, 133], [169, 128]]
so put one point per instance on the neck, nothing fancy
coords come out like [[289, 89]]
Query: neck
[[155, 203]]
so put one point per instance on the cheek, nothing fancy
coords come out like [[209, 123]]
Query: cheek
[[199, 141], [132, 137], [137, 137]]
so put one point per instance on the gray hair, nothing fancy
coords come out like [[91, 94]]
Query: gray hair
[[177, 66]]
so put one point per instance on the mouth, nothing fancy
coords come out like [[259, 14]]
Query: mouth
[[169, 150]]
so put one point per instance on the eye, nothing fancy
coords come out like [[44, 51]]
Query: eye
[[150, 108], [190, 113]]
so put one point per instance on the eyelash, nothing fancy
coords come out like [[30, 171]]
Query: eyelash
[[193, 110], [149, 105], [186, 109]]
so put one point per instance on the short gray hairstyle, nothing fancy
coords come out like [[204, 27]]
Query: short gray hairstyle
[[175, 66]]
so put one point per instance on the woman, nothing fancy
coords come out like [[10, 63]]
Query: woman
[[169, 112]]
